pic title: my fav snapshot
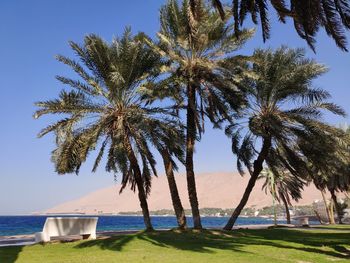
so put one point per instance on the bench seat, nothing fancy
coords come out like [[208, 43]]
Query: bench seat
[[67, 226]]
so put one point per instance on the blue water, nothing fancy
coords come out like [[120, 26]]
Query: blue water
[[21, 225]]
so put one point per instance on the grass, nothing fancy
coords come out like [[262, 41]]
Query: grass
[[324, 244]]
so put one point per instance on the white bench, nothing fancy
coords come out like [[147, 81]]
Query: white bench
[[303, 221], [66, 226]]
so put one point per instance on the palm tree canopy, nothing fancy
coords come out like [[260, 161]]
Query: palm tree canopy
[[282, 183], [197, 52], [308, 16], [104, 108], [334, 172], [284, 108], [336, 181]]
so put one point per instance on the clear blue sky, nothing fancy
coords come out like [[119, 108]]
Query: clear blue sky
[[32, 32]]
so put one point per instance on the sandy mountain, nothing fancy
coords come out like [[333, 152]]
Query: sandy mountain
[[215, 190]]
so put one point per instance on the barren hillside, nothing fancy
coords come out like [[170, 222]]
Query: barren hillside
[[215, 190]]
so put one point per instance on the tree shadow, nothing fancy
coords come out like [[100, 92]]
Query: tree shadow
[[198, 241], [115, 243], [327, 243], [207, 241], [204, 241], [10, 254]]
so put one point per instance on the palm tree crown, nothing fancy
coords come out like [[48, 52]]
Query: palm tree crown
[[283, 107], [308, 16], [283, 186], [200, 55]]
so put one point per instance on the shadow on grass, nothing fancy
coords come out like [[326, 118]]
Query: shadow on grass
[[197, 241], [9, 254], [206, 241], [327, 243], [115, 243]]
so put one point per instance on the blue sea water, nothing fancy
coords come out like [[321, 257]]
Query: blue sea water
[[21, 225]]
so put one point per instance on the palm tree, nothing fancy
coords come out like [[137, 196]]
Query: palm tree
[[105, 112], [308, 16], [283, 186], [197, 53], [333, 176], [332, 173], [283, 107]]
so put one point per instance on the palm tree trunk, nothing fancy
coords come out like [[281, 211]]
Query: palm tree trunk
[[190, 142], [178, 208], [257, 168], [331, 211], [274, 211], [139, 183], [318, 216], [284, 200], [273, 193], [330, 221], [337, 207]]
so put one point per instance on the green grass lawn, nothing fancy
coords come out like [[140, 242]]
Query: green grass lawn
[[326, 244]]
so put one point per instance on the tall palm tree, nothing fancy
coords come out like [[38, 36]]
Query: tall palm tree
[[105, 112], [197, 53], [308, 16], [283, 107], [283, 186]]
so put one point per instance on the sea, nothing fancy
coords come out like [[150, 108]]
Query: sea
[[24, 225]]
